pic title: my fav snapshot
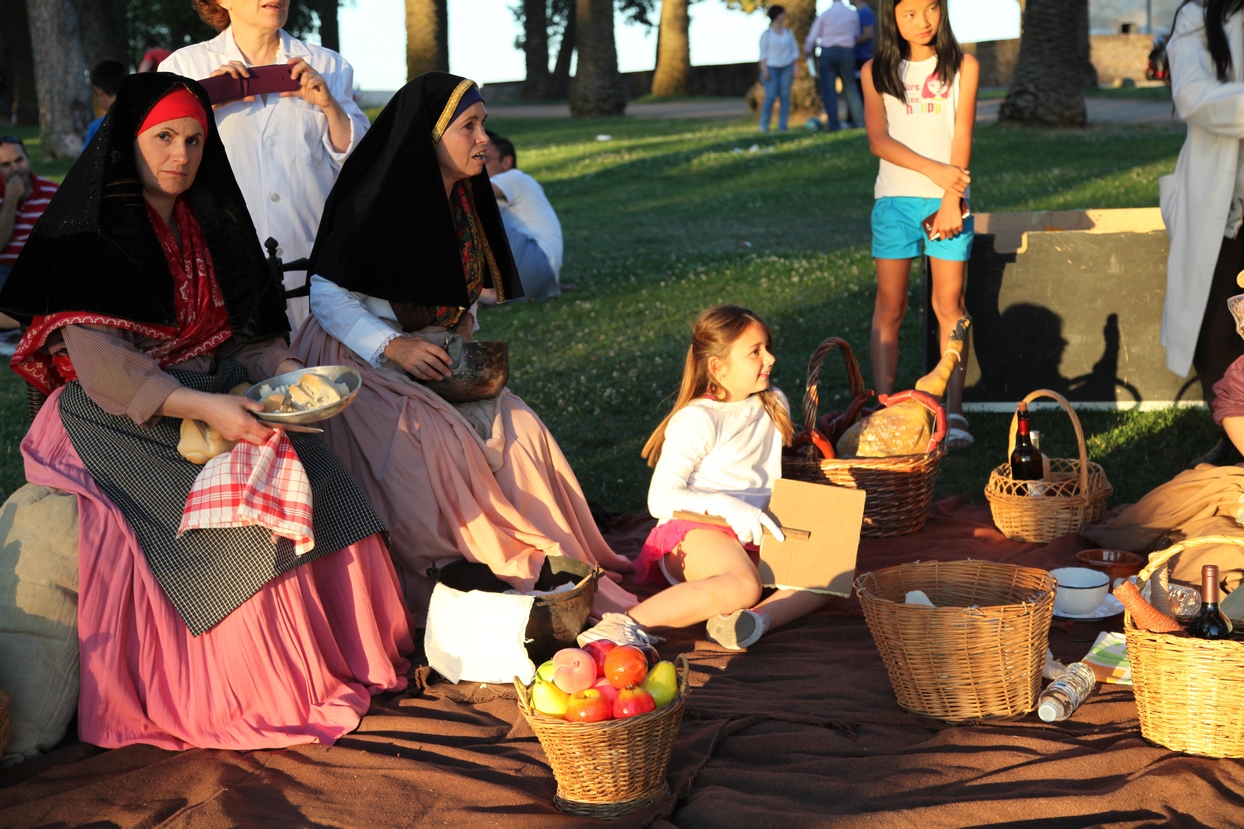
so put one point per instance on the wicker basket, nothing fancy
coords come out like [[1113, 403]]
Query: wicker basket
[[898, 490], [978, 653], [1189, 692], [1076, 495], [608, 769]]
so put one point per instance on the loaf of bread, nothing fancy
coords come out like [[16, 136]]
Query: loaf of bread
[[200, 443], [311, 392]]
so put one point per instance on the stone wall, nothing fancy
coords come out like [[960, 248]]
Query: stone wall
[[1116, 58], [726, 80]]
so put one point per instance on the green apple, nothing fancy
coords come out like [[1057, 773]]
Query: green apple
[[545, 671], [662, 683], [548, 699]]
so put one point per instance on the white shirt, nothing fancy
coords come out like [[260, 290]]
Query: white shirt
[[279, 147], [527, 205], [362, 323], [924, 123], [839, 25], [778, 51], [713, 449], [1196, 198]]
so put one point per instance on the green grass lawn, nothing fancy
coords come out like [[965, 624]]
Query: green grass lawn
[[671, 216]]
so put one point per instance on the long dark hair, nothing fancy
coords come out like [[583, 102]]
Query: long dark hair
[[890, 50], [1216, 14]]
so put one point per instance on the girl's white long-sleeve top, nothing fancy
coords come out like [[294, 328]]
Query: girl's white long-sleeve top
[[1196, 199], [713, 449]]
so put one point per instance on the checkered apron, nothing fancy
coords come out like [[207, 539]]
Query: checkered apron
[[206, 574]]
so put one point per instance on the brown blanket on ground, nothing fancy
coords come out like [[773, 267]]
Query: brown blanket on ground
[[800, 731]]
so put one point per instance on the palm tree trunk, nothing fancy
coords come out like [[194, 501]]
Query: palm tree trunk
[[565, 53], [330, 30], [536, 49], [103, 31], [60, 78], [17, 66], [804, 96], [1048, 87], [597, 89], [427, 37], [673, 72]]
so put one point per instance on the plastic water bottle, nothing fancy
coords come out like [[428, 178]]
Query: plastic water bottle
[[1062, 696]]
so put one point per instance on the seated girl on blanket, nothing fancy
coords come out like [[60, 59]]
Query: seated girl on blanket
[[716, 454]]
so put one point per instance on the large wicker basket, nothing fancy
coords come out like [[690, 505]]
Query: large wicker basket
[[608, 769], [1075, 496], [1189, 692], [978, 653], [898, 490]]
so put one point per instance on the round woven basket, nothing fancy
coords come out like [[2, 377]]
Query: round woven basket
[[898, 490], [1075, 495], [1189, 692], [978, 653], [608, 769]]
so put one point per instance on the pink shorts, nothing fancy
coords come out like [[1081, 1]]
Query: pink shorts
[[665, 538]]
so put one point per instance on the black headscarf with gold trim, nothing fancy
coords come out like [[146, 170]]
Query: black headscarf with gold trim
[[93, 250], [387, 229]]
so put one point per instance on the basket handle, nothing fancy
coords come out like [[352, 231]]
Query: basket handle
[[1156, 560], [811, 398], [1075, 422]]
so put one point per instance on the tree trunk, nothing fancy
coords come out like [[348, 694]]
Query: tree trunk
[[60, 78], [104, 32], [539, 82], [1048, 87], [565, 53], [427, 37], [330, 31], [18, 104], [597, 89], [804, 96], [673, 72], [1084, 49]]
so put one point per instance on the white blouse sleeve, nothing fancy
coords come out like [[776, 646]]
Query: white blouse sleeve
[[688, 438], [1200, 98], [344, 317], [342, 87]]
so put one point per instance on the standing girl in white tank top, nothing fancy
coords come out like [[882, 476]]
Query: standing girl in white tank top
[[919, 109]]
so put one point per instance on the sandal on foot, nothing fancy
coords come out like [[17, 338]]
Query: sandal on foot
[[957, 434]]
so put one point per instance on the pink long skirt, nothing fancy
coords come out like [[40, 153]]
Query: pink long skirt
[[297, 663], [421, 466]]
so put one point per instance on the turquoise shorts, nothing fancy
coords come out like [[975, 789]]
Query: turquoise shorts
[[898, 233]]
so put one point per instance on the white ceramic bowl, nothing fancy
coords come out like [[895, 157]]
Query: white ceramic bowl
[[1080, 590]]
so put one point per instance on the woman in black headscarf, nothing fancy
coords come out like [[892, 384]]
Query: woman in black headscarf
[[411, 235], [146, 299]]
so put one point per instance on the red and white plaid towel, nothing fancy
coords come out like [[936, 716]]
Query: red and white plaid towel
[[265, 485]]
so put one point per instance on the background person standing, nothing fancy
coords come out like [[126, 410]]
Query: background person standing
[[837, 29], [778, 52]]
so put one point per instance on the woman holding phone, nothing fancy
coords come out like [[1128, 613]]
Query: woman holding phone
[[286, 149]]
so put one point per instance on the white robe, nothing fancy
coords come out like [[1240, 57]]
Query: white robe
[[1196, 199]]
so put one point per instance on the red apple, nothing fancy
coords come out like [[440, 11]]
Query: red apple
[[599, 649], [573, 670], [608, 690], [625, 665], [631, 702], [588, 705]]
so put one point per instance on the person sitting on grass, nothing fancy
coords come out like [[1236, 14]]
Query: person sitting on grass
[[716, 454]]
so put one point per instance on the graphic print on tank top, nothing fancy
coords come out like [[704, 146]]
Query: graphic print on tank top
[[929, 97]]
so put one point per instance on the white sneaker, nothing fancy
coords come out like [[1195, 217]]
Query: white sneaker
[[739, 630], [619, 629]]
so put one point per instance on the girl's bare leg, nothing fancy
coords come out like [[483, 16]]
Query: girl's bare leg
[[888, 313], [720, 578], [786, 606], [948, 307]]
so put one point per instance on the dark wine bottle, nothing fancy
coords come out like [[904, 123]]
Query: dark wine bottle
[[1025, 458], [1209, 623]]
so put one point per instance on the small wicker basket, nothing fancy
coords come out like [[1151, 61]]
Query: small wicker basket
[[1189, 692], [898, 490], [1076, 495], [608, 769], [978, 653]]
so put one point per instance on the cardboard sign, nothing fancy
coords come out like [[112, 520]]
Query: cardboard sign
[[822, 528]]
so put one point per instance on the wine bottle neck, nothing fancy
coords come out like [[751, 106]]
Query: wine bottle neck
[[1209, 585]]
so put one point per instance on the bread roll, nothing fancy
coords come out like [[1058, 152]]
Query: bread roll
[[200, 443], [322, 391], [273, 402]]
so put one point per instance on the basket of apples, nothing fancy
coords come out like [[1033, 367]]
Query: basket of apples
[[606, 718]]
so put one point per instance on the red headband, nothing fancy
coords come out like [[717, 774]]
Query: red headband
[[179, 103]]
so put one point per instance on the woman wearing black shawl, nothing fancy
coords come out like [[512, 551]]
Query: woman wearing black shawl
[[146, 298], [410, 236]]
